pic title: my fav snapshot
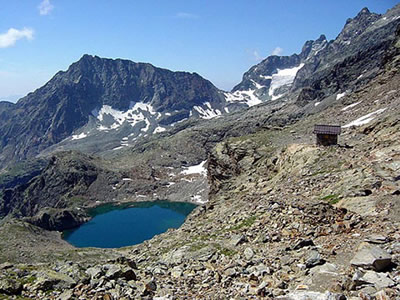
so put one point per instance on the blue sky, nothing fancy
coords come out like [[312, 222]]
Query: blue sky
[[219, 39]]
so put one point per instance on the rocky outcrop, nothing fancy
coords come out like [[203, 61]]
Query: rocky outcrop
[[68, 180], [58, 219]]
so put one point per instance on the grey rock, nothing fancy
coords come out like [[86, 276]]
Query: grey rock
[[5, 266], [175, 257], [302, 243], [49, 279], [372, 257], [306, 295], [94, 272], [313, 259], [379, 280], [176, 272], [112, 271], [237, 239], [128, 274], [248, 253], [204, 254], [66, 295], [377, 239], [230, 272]]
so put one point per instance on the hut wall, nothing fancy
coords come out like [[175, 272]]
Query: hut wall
[[327, 139]]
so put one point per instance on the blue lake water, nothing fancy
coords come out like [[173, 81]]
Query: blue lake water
[[119, 226]]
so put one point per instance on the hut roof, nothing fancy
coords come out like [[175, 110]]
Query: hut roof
[[327, 129]]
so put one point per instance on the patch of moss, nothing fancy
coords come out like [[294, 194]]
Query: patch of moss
[[245, 223], [332, 199], [198, 246], [225, 251], [28, 279]]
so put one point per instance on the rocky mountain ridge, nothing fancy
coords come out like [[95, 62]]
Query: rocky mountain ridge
[[109, 95], [324, 68]]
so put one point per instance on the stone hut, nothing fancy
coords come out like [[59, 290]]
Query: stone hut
[[327, 135]]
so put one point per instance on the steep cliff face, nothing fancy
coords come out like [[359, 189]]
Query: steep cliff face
[[322, 67], [68, 181]]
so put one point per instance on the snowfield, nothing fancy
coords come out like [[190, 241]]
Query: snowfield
[[133, 115], [282, 78], [197, 169], [79, 136], [365, 119]]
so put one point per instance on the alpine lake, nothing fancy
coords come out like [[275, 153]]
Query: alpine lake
[[114, 226]]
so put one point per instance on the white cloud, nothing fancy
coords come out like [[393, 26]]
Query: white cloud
[[9, 38], [185, 15], [45, 7], [277, 51], [256, 55]]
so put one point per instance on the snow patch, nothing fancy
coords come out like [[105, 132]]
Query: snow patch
[[340, 96], [198, 199], [207, 113], [147, 126], [365, 119], [226, 110], [79, 136], [257, 85], [246, 97], [127, 179], [350, 106], [266, 77], [281, 78], [159, 129], [197, 169], [133, 115], [316, 104]]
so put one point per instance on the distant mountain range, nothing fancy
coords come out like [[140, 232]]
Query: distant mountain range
[[101, 104]]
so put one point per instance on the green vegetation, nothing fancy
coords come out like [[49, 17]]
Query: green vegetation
[[225, 251], [198, 246], [332, 199], [245, 223]]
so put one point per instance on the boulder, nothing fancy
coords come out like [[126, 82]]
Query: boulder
[[128, 274], [313, 259], [66, 295], [112, 271], [372, 257], [302, 243], [176, 272], [237, 239], [248, 253], [379, 280], [306, 295], [10, 287], [49, 279], [94, 272]]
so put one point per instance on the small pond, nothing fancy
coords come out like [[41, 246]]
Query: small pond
[[130, 224]]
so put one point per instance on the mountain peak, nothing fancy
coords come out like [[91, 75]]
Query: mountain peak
[[364, 11], [312, 47]]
